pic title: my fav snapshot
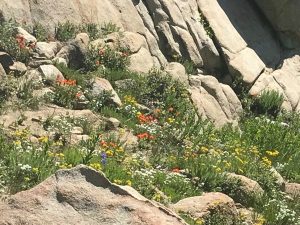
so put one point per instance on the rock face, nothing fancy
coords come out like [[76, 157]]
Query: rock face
[[168, 28], [85, 197], [284, 17], [214, 101]]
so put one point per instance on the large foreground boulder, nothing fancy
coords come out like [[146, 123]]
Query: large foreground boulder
[[83, 196]]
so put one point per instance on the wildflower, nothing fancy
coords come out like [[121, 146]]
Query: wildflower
[[101, 52], [18, 143], [218, 170], [26, 179], [97, 63], [35, 170], [273, 153], [267, 162], [43, 139], [176, 170], [96, 166], [103, 158], [109, 153], [78, 95], [170, 120], [117, 181], [128, 182], [199, 221]]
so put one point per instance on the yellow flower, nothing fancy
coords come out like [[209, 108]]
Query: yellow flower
[[35, 170], [96, 166], [218, 170], [18, 143], [117, 181], [170, 120], [26, 179], [128, 182], [50, 154], [204, 149], [267, 162], [199, 221], [260, 220], [43, 139], [120, 149], [60, 155], [109, 153], [273, 153]]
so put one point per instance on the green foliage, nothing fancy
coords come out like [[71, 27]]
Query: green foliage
[[39, 32], [268, 102], [207, 27], [14, 46], [65, 31], [107, 57]]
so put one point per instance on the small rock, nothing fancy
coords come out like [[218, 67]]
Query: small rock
[[112, 124], [42, 92], [28, 37], [292, 189], [207, 204], [6, 61], [99, 85], [177, 72], [18, 68], [47, 49], [80, 105], [246, 188], [279, 179], [59, 60], [33, 139], [75, 138], [36, 63], [77, 130], [50, 74]]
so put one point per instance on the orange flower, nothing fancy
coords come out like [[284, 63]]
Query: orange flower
[[145, 136], [176, 170], [78, 95], [145, 119]]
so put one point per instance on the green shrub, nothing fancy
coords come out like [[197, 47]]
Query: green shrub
[[66, 31], [40, 32], [268, 102], [14, 46], [107, 57]]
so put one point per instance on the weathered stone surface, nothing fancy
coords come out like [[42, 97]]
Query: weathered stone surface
[[141, 61], [166, 28], [207, 204], [36, 63], [177, 72], [283, 15], [18, 68], [29, 39], [292, 189], [99, 85], [47, 49], [34, 118], [50, 74], [83, 196], [247, 188], [249, 43], [285, 80], [214, 101]]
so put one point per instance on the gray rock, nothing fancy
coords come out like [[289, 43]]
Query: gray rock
[[112, 123], [99, 85], [36, 63], [6, 61], [177, 72], [18, 68], [214, 101], [83, 196], [50, 74], [47, 49], [28, 37]]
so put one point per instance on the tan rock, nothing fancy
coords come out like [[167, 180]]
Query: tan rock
[[82, 196], [208, 204], [292, 189]]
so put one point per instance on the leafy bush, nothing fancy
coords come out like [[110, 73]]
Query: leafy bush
[[268, 102], [107, 57], [12, 44]]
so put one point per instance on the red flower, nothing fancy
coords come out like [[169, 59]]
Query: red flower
[[176, 170]]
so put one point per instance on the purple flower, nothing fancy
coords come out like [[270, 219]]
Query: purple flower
[[103, 158]]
